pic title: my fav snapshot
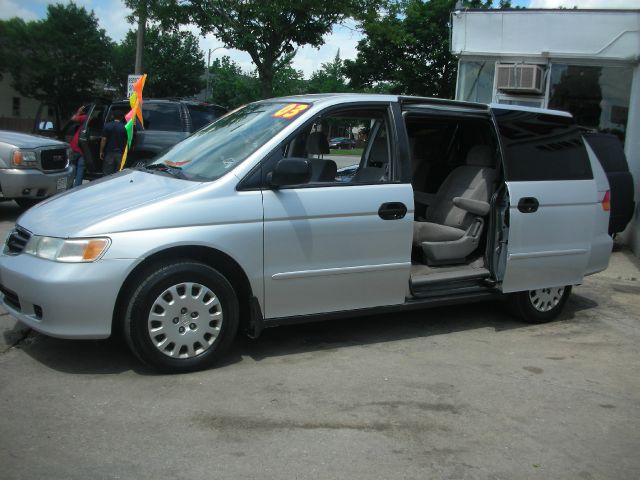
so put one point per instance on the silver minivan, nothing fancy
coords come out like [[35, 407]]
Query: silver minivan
[[253, 221]]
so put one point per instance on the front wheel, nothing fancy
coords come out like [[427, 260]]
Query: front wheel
[[182, 317], [539, 306]]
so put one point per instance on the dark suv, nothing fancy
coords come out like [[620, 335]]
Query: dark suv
[[166, 122]]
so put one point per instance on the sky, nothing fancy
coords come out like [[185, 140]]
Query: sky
[[112, 14]]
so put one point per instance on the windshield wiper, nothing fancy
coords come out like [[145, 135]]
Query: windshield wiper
[[164, 168]]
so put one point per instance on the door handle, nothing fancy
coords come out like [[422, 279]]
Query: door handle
[[528, 204], [392, 211]]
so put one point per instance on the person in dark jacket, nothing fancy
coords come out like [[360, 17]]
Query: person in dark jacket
[[114, 139]]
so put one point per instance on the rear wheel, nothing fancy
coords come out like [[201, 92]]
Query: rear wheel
[[182, 317], [539, 306]]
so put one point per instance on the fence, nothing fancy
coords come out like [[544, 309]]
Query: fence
[[17, 124]]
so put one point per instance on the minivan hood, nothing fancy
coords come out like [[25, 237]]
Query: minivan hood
[[81, 210]]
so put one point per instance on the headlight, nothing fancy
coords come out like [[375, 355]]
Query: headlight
[[24, 158], [71, 250]]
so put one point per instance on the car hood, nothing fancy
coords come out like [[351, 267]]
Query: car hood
[[98, 207], [23, 140]]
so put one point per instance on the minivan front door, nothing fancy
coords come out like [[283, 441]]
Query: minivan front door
[[552, 197], [343, 240], [89, 138]]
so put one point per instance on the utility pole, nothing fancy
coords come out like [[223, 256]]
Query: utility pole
[[208, 93], [142, 21]]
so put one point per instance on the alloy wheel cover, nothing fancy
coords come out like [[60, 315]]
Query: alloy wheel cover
[[545, 299], [185, 320]]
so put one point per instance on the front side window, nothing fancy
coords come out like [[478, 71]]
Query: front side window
[[95, 122], [214, 150], [352, 146]]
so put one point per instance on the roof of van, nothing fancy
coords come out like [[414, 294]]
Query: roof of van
[[522, 108], [333, 98]]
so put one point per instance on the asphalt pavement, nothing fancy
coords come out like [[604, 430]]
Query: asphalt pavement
[[462, 392]]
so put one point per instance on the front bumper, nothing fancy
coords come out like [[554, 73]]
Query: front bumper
[[64, 300], [33, 183]]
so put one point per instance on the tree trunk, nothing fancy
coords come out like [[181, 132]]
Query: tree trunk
[[266, 83], [142, 20]]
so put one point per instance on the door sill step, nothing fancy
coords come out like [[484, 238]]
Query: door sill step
[[467, 280], [449, 276]]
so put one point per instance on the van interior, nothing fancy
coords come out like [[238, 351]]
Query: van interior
[[455, 178], [459, 209]]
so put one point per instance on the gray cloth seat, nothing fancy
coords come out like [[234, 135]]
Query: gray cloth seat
[[323, 170], [377, 168], [453, 220], [317, 144]]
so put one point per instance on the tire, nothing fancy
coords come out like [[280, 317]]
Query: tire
[[182, 317], [26, 203], [539, 306]]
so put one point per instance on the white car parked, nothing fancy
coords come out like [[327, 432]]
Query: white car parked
[[244, 225]]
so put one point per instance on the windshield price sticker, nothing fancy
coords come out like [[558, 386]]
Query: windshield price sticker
[[291, 110], [171, 163]]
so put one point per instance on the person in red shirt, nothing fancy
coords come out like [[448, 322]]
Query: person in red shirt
[[79, 117]]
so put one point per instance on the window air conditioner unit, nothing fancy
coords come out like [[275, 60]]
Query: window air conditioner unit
[[520, 78]]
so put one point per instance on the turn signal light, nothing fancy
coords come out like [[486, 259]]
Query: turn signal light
[[94, 249], [606, 201], [17, 158]]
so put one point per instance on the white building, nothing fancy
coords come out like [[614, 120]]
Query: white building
[[16, 112], [584, 61]]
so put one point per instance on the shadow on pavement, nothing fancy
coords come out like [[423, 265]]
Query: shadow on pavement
[[389, 327], [9, 211], [112, 356]]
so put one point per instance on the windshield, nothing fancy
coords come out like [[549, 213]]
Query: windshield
[[214, 150]]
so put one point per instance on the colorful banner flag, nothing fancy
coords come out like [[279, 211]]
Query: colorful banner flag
[[135, 100]]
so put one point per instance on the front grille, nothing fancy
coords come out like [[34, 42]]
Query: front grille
[[10, 298], [17, 240], [54, 159]]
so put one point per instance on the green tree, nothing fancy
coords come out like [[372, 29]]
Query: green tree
[[287, 80], [406, 48], [330, 78], [268, 31], [230, 86], [173, 62], [62, 59]]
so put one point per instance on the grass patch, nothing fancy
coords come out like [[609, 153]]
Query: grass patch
[[355, 152]]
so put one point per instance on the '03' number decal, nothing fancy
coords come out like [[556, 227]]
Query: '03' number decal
[[290, 110]]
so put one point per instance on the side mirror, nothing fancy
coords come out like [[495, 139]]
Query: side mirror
[[290, 171]]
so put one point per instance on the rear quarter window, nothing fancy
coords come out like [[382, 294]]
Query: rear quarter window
[[539, 146], [162, 116]]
